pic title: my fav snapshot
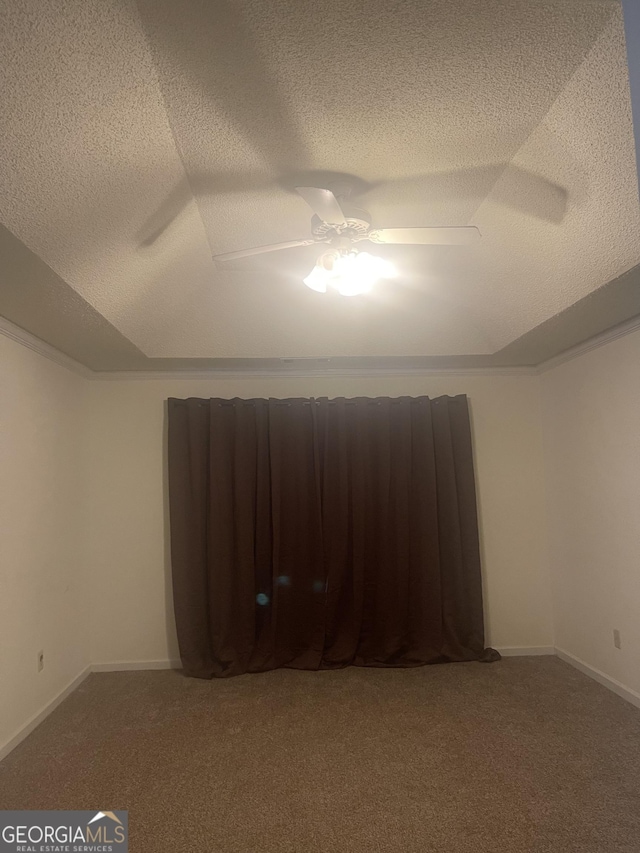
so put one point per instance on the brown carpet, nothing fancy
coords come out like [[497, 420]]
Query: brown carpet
[[522, 755]]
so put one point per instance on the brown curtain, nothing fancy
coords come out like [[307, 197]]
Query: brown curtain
[[322, 533]]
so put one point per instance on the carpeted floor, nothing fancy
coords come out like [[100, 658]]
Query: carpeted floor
[[522, 755]]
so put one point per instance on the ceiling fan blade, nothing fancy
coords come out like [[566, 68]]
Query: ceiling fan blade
[[261, 250], [502, 183], [324, 204], [451, 235]]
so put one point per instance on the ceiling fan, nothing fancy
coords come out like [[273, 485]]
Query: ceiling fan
[[341, 225]]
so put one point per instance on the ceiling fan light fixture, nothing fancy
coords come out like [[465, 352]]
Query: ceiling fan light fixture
[[318, 278], [350, 273], [381, 267], [353, 276], [331, 224]]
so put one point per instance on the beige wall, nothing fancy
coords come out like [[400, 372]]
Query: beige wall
[[131, 609], [43, 579], [84, 570], [84, 542], [591, 409]]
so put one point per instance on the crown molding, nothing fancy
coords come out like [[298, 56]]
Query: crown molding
[[21, 336], [613, 334], [362, 372]]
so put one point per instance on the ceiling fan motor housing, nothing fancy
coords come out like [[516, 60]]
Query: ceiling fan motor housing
[[358, 223]]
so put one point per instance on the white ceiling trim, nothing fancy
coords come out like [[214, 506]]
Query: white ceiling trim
[[595, 342], [137, 375], [21, 336]]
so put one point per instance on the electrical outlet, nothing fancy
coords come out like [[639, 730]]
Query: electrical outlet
[[616, 639], [40, 660]]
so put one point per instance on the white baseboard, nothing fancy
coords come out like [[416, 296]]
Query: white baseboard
[[125, 666], [616, 686], [523, 651], [38, 717]]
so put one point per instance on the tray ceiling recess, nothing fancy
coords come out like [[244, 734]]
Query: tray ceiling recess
[[141, 141]]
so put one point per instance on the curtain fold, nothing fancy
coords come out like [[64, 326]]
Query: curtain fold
[[323, 533]]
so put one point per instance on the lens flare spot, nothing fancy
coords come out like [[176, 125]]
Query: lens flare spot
[[262, 599]]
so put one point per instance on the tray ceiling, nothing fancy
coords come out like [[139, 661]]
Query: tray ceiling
[[138, 139]]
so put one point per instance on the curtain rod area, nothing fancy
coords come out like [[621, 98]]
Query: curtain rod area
[[314, 401]]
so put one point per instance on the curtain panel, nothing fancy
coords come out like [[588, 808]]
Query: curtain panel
[[317, 533]]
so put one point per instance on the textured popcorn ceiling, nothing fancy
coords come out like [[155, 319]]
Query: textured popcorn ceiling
[[137, 139]]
